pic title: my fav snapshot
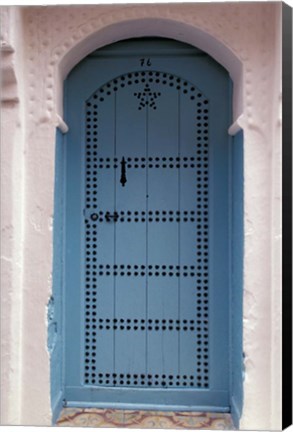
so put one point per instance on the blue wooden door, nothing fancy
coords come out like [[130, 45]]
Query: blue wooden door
[[147, 238]]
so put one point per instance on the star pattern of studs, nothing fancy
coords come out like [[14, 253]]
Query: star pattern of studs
[[147, 98]]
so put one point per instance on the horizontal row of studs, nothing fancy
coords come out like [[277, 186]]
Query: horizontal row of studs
[[200, 118], [92, 124], [175, 159], [143, 267], [156, 383], [140, 324], [93, 314], [149, 328], [95, 260], [200, 281], [157, 212], [92, 173], [145, 376], [199, 268], [200, 324], [148, 321], [149, 379], [91, 189], [94, 266], [144, 273], [149, 266], [150, 159], [92, 377], [122, 219], [92, 138], [151, 217], [136, 166], [200, 183]]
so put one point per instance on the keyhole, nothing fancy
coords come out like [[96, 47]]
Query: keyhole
[[94, 216]]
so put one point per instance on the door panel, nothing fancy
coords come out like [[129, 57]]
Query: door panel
[[153, 313]]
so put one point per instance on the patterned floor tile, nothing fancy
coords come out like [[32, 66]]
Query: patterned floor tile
[[93, 417]]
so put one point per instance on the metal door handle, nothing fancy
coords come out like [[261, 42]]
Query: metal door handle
[[109, 216]]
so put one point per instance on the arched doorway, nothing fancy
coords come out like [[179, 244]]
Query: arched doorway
[[147, 243]]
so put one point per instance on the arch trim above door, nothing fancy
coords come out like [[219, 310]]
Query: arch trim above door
[[119, 26]]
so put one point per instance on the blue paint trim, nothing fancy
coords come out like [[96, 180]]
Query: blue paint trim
[[57, 408], [114, 396], [52, 325], [237, 237], [149, 407], [236, 411], [55, 305], [133, 46]]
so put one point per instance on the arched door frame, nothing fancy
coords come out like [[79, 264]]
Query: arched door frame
[[173, 29], [177, 29]]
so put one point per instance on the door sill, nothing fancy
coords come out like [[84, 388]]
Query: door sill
[[105, 417]]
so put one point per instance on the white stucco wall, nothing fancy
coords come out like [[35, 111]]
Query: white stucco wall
[[41, 45]]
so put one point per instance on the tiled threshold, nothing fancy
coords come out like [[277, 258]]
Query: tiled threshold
[[94, 417]]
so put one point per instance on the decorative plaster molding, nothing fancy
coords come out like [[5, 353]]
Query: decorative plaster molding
[[237, 125], [9, 90], [61, 124], [68, 33], [88, 30], [6, 37]]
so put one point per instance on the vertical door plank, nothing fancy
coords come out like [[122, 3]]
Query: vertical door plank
[[163, 189], [130, 240], [105, 235]]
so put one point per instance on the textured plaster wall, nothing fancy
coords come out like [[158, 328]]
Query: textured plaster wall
[[12, 207], [41, 45]]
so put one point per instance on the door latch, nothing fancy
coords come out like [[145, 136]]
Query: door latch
[[123, 179], [109, 216]]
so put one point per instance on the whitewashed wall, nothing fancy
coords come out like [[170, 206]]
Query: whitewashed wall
[[40, 45]]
